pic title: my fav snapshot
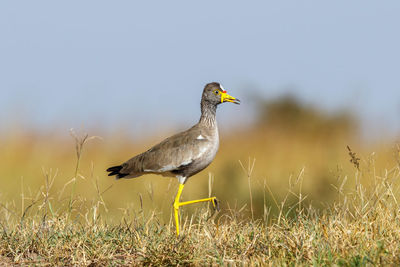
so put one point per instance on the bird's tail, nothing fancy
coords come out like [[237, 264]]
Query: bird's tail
[[116, 170]]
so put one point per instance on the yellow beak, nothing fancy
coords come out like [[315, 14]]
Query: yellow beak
[[227, 98]]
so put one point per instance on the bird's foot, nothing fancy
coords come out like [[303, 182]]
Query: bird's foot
[[215, 203]]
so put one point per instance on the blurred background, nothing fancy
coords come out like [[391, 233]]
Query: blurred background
[[313, 78]]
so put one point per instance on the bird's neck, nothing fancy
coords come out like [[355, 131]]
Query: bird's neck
[[208, 114]]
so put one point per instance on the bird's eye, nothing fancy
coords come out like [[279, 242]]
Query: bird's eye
[[216, 92]]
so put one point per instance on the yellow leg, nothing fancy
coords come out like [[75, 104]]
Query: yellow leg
[[211, 199], [178, 204], [176, 208]]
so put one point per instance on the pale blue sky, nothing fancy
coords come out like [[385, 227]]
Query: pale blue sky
[[76, 64]]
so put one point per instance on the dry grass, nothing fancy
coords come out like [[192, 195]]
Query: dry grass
[[361, 228], [71, 215]]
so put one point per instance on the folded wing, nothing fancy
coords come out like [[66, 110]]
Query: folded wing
[[170, 155]]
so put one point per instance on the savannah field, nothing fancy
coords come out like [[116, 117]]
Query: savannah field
[[297, 188]]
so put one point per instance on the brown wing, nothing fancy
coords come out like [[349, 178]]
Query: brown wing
[[169, 155]]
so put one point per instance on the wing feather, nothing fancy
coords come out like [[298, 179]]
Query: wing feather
[[171, 154]]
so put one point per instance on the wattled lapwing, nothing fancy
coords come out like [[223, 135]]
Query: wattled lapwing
[[184, 154]]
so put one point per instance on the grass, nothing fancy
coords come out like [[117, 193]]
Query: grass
[[75, 222], [361, 228]]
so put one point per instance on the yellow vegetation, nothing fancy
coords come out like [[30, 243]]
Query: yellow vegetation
[[289, 192]]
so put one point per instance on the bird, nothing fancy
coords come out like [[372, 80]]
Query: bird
[[184, 154]]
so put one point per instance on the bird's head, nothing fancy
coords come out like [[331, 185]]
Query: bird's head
[[216, 94]]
